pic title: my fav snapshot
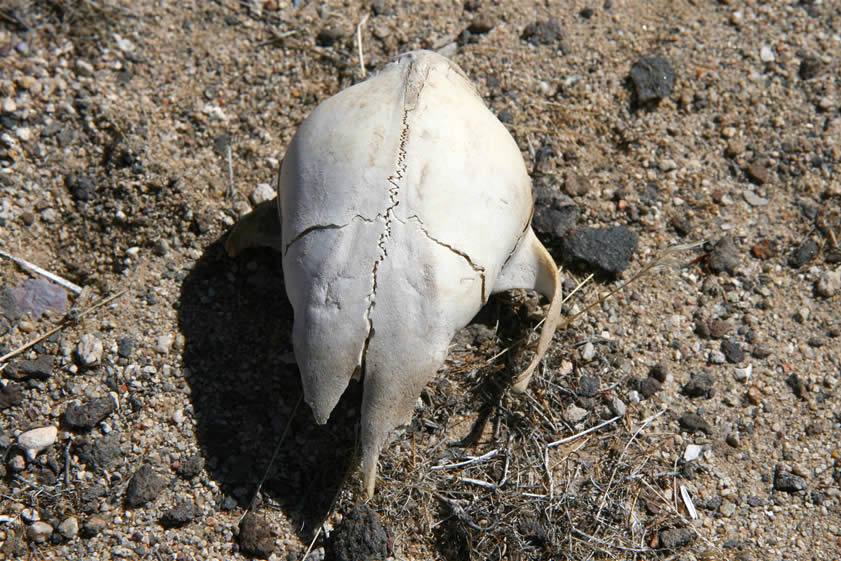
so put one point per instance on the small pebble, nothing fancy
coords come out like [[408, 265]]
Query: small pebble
[[574, 414], [735, 147], [675, 538], [588, 386], [83, 68], [360, 536], [653, 78], [692, 452], [798, 386], [30, 515], [724, 257], [659, 372], [588, 351], [88, 414], [606, 249], [766, 54], [255, 536], [93, 526], [786, 481], [804, 253], [699, 385], [810, 67], [37, 440], [144, 486], [262, 193], [88, 350], [69, 528], [732, 351], [758, 173], [617, 407], [727, 509], [828, 284], [716, 357], [163, 344], [39, 532], [544, 32], [733, 440], [692, 423], [743, 374], [182, 513], [16, 463], [753, 199], [649, 386]]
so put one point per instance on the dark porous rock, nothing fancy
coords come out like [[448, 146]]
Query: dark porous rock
[[481, 24], [588, 386], [576, 184], [125, 347], [10, 395], [797, 385], [89, 497], [692, 423], [93, 526], [732, 351], [555, 214], [681, 224], [702, 328], [9, 304], [758, 172], [786, 481], [360, 536], [649, 386], [810, 67], [804, 253], [190, 466], [182, 513], [761, 351], [86, 415], [719, 328], [607, 249], [81, 187], [40, 368], [256, 538], [103, 453], [543, 32], [653, 78], [329, 36], [659, 372], [14, 546], [724, 257], [145, 486], [699, 385], [676, 538]]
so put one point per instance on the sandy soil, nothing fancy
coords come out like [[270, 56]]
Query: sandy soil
[[124, 128]]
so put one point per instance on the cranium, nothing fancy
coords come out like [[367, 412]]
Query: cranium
[[404, 204]]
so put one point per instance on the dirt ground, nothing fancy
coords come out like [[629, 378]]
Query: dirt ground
[[134, 134]]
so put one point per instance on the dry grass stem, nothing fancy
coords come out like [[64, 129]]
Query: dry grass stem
[[75, 288]]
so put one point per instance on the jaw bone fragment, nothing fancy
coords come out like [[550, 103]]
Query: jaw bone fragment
[[404, 203]]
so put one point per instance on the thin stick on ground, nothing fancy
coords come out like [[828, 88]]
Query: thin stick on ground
[[67, 321], [232, 191], [274, 456], [359, 45], [582, 433], [644, 424], [75, 288]]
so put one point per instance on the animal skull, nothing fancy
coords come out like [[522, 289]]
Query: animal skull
[[404, 204]]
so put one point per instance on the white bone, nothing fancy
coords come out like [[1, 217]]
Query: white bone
[[404, 203]]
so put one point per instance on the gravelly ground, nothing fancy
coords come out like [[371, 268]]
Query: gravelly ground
[[115, 127]]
